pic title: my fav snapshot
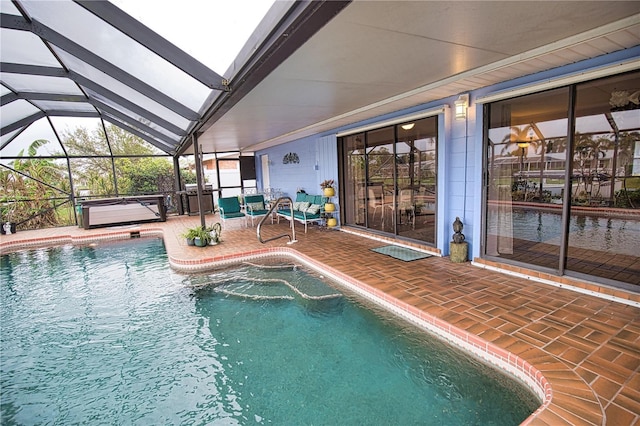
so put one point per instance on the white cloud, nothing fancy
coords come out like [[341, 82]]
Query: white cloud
[[212, 31]]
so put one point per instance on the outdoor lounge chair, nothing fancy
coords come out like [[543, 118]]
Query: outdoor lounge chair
[[229, 209], [306, 209], [254, 206]]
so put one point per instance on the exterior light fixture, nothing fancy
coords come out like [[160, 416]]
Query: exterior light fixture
[[408, 126], [461, 106]]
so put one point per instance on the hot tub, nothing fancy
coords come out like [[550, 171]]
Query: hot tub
[[122, 210]]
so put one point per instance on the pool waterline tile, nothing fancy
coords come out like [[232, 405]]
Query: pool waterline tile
[[512, 302]]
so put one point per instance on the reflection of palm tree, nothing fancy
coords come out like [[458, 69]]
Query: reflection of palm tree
[[522, 138], [587, 153], [625, 148], [623, 145], [516, 138]]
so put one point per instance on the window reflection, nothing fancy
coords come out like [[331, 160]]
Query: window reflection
[[528, 153]]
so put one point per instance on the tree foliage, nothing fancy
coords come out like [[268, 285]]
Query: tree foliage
[[137, 166], [32, 188]]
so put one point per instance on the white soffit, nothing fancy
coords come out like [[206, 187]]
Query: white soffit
[[375, 58]]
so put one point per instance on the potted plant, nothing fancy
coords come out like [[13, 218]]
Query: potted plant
[[191, 235], [202, 236], [327, 187]]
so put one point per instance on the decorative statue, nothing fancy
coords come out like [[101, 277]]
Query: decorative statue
[[458, 236]]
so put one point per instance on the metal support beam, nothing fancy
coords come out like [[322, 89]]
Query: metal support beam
[[57, 39], [56, 97], [163, 138], [95, 87], [108, 94], [8, 98], [158, 144], [21, 123], [199, 183], [152, 41], [302, 21], [14, 68], [178, 183]]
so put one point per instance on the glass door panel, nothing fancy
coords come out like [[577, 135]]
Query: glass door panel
[[526, 161], [604, 227], [354, 187], [415, 205], [380, 179], [390, 179]]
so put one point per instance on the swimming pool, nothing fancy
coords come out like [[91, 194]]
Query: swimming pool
[[110, 334]]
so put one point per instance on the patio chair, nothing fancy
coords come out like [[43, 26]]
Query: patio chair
[[229, 209], [254, 206], [406, 206], [376, 201]]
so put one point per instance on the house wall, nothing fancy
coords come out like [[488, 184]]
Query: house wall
[[459, 153], [318, 157]]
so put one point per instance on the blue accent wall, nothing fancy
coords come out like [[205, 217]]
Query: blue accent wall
[[460, 154], [318, 161]]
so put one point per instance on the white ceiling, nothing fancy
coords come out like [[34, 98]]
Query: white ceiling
[[377, 57]]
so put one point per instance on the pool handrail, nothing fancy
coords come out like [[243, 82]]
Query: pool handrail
[[292, 237]]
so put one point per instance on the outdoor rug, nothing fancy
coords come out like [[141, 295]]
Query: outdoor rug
[[401, 253]]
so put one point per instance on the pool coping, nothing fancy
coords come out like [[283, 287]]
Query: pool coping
[[513, 365]]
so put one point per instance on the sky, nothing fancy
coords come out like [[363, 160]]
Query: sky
[[212, 31]]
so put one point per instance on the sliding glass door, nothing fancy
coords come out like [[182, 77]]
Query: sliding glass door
[[563, 180], [527, 159], [390, 179], [604, 225]]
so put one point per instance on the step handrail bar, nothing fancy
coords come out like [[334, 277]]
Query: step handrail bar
[[292, 237]]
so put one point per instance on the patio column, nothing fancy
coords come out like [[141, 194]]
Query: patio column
[[199, 183]]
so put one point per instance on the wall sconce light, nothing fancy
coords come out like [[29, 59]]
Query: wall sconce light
[[408, 126], [461, 106]]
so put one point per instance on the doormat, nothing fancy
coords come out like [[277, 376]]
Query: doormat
[[401, 253]]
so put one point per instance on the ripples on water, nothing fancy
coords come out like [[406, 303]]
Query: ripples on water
[[109, 334]]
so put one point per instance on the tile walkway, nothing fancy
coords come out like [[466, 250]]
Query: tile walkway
[[582, 353]]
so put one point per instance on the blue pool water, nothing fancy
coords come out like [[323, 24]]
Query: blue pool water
[[108, 334]]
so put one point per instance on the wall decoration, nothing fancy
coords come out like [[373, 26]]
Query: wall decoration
[[291, 158]]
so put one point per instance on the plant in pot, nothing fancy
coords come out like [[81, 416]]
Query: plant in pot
[[203, 237], [190, 235], [327, 187], [197, 236]]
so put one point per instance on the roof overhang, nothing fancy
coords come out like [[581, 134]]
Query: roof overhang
[[375, 58]]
